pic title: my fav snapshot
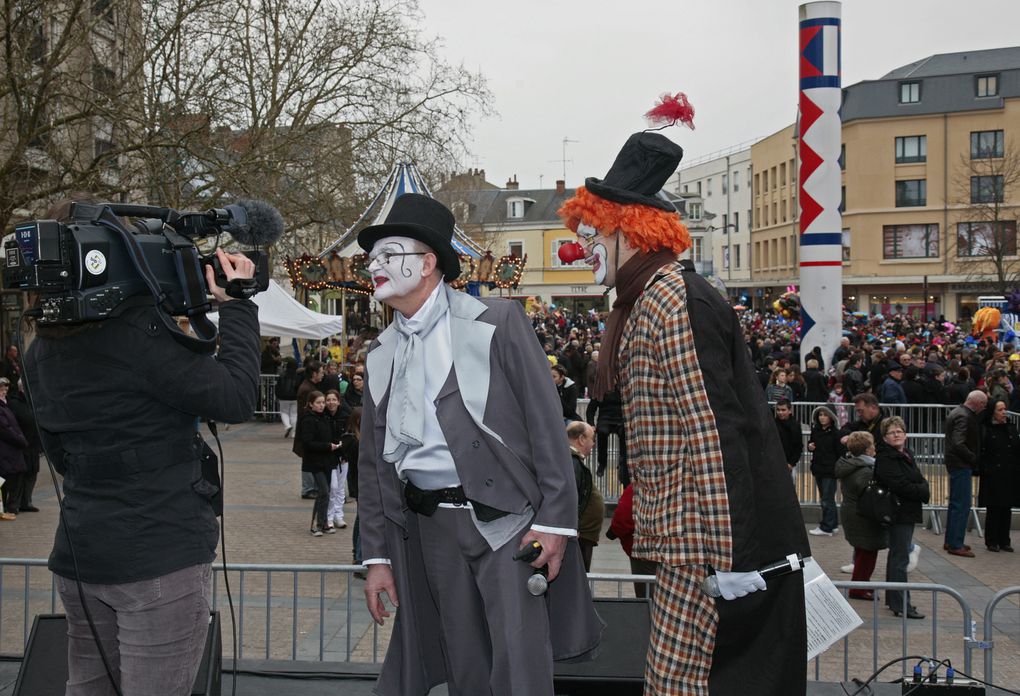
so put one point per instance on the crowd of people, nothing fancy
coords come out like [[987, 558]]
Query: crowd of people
[[895, 360]]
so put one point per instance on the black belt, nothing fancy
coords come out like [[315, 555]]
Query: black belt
[[427, 502]]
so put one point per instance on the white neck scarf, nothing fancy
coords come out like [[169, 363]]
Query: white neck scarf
[[405, 415]]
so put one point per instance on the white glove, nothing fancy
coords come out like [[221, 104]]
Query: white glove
[[733, 585]]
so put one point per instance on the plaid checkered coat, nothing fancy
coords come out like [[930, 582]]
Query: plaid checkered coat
[[711, 486]]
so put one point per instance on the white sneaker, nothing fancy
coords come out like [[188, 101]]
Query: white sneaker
[[914, 555], [848, 568], [818, 531], [339, 522]]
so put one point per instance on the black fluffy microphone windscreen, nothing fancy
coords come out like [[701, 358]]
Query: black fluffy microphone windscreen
[[259, 224]]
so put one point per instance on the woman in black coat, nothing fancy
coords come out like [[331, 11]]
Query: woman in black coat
[[825, 451], [318, 458], [355, 390], [896, 469], [999, 463]]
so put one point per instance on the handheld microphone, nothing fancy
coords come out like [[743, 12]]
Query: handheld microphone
[[790, 564], [538, 583]]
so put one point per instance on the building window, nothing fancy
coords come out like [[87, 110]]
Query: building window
[[986, 144], [104, 9], [846, 245], [736, 256], [772, 178], [697, 249], [725, 224], [693, 211], [757, 184], [516, 249], [986, 189], [782, 210], [736, 181], [986, 239], [515, 209], [911, 148], [782, 174], [910, 92], [736, 222], [748, 177], [685, 188], [842, 157], [708, 186], [725, 184], [910, 242], [842, 199], [699, 188], [987, 85], [911, 192]]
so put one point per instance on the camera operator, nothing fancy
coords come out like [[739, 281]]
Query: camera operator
[[118, 403]]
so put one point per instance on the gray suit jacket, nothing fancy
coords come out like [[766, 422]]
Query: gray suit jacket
[[501, 417]]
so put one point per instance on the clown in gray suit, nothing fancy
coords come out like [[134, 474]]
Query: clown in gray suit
[[463, 462]]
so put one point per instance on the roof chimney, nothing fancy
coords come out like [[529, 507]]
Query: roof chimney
[[561, 186], [511, 184]]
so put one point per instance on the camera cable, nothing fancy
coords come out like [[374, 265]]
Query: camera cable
[[223, 558]]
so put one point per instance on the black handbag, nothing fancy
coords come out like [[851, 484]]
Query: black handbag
[[878, 503]]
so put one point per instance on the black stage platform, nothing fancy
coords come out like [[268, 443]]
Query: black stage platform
[[273, 678]]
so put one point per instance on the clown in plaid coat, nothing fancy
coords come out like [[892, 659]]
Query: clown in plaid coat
[[712, 493]]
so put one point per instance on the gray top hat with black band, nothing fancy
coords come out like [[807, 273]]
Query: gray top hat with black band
[[423, 218]]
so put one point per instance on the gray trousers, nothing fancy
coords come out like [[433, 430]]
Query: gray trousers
[[495, 635], [153, 632]]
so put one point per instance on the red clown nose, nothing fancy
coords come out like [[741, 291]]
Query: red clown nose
[[571, 251]]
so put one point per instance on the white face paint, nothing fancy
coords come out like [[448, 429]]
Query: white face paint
[[401, 273]]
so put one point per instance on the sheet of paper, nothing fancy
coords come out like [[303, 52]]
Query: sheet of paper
[[829, 615]]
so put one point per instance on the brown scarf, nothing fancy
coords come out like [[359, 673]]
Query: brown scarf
[[631, 278]]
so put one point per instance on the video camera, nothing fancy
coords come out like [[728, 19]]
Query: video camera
[[96, 265]]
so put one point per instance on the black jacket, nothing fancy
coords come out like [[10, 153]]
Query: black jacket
[[827, 446], [963, 438], [792, 439], [1000, 466], [898, 471], [606, 414], [316, 438], [817, 386], [117, 405]]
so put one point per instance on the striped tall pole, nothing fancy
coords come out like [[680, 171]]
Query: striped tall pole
[[821, 224]]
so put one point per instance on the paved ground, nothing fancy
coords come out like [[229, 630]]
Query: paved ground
[[267, 523]]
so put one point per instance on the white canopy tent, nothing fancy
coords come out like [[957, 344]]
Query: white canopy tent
[[282, 315]]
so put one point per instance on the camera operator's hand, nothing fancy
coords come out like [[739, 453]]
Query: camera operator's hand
[[234, 266]]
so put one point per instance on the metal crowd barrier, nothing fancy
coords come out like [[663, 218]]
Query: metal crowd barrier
[[268, 407], [317, 613]]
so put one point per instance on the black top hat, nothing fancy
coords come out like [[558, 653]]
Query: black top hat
[[423, 218], [643, 166]]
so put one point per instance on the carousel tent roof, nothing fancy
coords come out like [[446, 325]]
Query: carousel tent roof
[[405, 178], [282, 315]]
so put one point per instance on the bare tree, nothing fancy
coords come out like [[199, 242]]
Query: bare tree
[[185, 103], [987, 184], [308, 103]]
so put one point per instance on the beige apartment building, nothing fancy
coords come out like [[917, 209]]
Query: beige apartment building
[[931, 187]]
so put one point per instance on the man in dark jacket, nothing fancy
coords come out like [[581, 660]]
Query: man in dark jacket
[[139, 512], [891, 391], [817, 386], [963, 443], [869, 418], [790, 433]]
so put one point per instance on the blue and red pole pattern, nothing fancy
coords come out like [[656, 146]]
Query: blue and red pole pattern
[[820, 180]]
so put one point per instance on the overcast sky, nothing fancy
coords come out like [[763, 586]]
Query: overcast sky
[[589, 70]]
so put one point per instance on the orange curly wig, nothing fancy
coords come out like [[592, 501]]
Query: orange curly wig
[[646, 228]]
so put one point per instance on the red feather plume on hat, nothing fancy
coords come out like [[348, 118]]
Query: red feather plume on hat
[[671, 109]]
